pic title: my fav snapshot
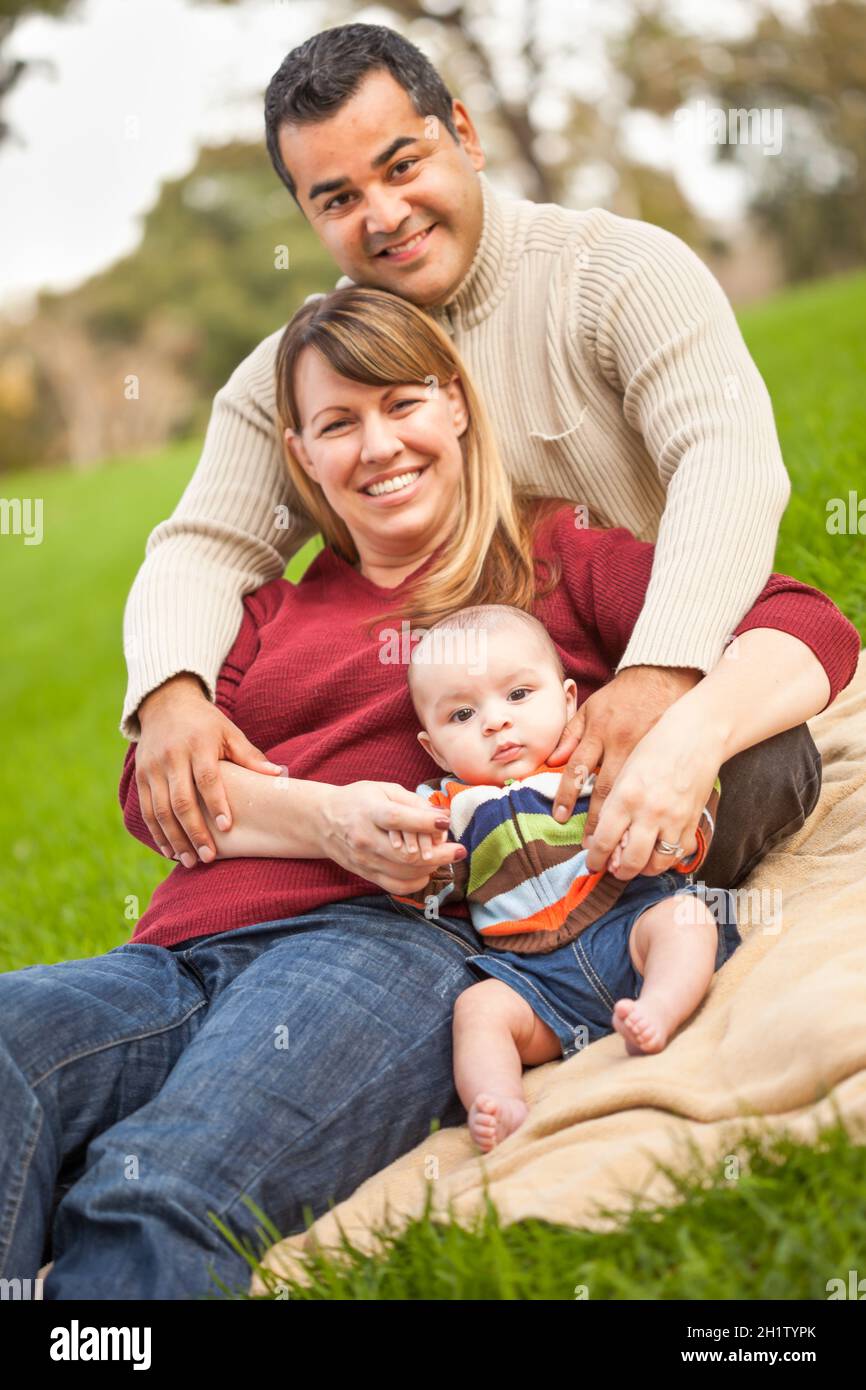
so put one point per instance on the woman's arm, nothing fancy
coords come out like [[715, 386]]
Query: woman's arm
[[765, 682], [291, 818], [273, 817]]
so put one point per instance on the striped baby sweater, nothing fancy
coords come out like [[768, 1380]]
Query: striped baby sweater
[[525, 878]]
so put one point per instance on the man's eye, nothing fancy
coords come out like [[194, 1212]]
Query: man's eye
[[332, 202], [401, 162]]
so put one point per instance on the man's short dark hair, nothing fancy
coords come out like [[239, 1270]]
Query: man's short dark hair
[[320, 75]]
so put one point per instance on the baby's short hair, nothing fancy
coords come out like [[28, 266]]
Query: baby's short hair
[[482, 617]]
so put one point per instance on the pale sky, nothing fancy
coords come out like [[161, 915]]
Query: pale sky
[[140, 84]]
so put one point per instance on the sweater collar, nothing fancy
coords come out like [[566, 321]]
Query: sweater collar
[[492, 268]]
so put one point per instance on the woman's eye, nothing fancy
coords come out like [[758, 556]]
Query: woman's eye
[[407, 401], [333, 425]]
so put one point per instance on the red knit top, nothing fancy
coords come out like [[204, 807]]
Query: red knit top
[[307, 686]]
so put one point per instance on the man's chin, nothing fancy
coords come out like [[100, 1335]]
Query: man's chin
[[423, 285]]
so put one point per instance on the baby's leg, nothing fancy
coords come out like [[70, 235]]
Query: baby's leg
[[495, 1033], [676, 959]]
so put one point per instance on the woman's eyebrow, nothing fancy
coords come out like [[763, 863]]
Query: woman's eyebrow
[[386, 392]]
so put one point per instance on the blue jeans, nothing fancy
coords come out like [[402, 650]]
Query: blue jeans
[[144, 1088], [573, 988]]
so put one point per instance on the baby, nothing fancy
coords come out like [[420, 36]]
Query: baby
[[567, 949]]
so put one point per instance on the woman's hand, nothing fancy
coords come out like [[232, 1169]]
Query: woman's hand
[[183, 738], [386, 834], [660, 792]]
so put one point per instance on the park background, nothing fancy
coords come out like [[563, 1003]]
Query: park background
[[140, 220]]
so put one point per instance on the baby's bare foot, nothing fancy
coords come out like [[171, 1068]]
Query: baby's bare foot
[[645, 1025], [493, 1118]]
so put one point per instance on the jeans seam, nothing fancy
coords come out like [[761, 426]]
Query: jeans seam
[[91, 1051], [592, 976], [16, 1211]]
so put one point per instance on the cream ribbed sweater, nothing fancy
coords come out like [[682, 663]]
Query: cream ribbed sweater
[[616, 376]]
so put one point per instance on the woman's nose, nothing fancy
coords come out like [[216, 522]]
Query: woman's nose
[[379, 442]]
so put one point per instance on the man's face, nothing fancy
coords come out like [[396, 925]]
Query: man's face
[[374, 174]]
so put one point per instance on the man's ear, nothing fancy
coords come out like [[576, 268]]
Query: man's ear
[[424, 740], [295, 444]]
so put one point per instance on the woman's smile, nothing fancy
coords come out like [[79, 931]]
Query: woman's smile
[[397, 488]]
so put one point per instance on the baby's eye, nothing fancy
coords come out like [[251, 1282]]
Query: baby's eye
[[521, 689], [465, 710]]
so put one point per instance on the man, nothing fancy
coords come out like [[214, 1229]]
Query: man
[[615, 373]]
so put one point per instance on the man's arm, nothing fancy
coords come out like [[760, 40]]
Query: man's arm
[[235, 528], [664, 336]]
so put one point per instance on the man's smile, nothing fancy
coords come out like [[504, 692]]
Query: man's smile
[[402, 250]]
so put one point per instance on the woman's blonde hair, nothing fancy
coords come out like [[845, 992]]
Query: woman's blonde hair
[[379, 339]]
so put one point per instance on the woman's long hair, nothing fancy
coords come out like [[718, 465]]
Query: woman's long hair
[[379, 339]]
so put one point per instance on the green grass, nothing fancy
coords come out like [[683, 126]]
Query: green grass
[[767, 1218], [72, 875], [74, 881]]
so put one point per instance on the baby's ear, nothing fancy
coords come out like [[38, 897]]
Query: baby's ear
[[424, 740], [570, 688]]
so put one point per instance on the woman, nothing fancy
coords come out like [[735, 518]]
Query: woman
[[278, 1028]]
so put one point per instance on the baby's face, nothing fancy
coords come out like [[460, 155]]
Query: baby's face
[[511, 693]]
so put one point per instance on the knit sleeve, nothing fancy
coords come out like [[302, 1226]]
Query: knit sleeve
[[606, 574], [235, 527], [661, 332], [257, 607]]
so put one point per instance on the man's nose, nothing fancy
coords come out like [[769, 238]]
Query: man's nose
[[387, 212]]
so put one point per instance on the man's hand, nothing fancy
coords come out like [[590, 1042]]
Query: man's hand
[[183, 738], [607, 727]]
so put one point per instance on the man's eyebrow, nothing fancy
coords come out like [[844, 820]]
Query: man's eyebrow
[[331, 185]]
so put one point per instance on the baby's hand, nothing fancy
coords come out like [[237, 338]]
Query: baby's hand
[[617, 854], [417, 844]]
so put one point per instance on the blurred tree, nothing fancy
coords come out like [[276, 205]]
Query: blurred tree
[[518, 84], [134, 355], [13, 69], [811, 195]]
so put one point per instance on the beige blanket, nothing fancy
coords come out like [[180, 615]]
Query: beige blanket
[[781, 1028]]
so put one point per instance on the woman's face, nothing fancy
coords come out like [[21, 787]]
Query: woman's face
[[405, 436]]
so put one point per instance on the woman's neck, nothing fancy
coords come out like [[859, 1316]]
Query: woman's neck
[[387, 571]]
